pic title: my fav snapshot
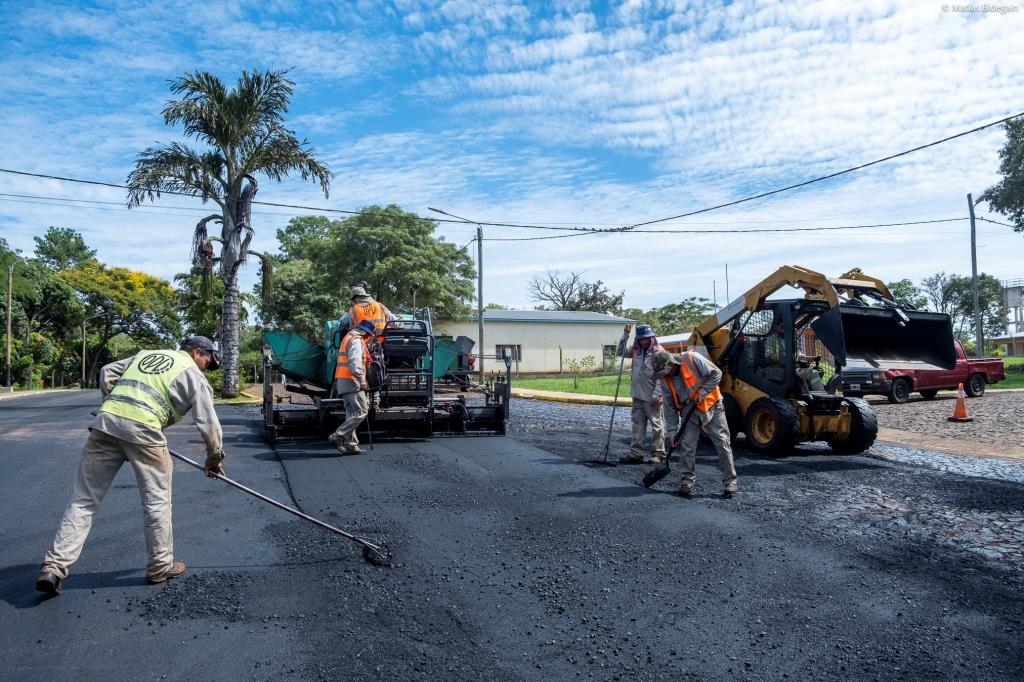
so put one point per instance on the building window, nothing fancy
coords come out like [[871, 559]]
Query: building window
[[517, 351]]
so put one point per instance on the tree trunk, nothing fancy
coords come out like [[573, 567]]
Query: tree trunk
[[229, 338]]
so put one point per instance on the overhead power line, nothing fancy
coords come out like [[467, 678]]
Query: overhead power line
[[996, 222], [755, 229], [627, 228]]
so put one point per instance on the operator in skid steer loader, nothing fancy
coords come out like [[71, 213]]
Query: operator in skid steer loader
[[350, 383], [143, 395], [646, 394], [690, 378]]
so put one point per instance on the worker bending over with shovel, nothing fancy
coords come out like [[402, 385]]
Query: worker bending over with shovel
[[143, 395], [645, 392], [350, 384], [692, 381]]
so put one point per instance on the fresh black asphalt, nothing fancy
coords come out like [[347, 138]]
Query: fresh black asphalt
[[513, 561]]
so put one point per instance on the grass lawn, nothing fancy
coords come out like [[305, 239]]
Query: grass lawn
[[1014, 374], [599, 385]]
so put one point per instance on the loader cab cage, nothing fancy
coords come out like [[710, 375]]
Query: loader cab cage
[[773, 345]]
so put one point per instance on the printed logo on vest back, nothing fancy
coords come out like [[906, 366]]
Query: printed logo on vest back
[[157, 363]]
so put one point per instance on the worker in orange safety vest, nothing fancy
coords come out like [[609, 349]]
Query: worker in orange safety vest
[[364, 307], [692, 381], [350, 383]]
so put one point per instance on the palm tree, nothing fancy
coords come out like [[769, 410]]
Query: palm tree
[[243, 130]]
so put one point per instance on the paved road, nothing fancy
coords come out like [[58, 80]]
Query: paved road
[[513, 561]]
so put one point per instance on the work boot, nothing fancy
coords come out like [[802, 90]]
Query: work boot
[[175, 571], [631, 459], [656, 459], [48, 583], [356, 450], [728, 494], [685, 492]]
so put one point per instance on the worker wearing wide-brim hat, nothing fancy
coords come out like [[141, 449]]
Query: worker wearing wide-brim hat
[[142, 396], [691, 380], [646, 394], [364, 307]]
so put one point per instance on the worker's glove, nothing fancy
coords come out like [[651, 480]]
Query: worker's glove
[[657, 401], [214, 464], [363, 386]]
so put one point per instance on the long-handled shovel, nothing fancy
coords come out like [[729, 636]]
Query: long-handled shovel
[[376, 554], [611, 422], [661, 471]]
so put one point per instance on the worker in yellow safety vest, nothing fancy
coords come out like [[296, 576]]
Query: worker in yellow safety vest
[[143, 395], [692, 381], [364, 307], [350, 384]]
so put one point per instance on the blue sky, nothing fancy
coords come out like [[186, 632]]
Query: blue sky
[[575, 113]]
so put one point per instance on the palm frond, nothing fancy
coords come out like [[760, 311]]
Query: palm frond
[[266, 277], [280, 153], [202, 250], [176, 168]]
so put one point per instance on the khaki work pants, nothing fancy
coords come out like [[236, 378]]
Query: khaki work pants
[[673, 418], [102, 457], [357, 406], [718, 430], [645, 412]]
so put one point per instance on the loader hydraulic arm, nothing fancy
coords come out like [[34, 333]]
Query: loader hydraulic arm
[[816, 286]]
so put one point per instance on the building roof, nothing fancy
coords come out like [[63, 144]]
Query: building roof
[[550, 316]]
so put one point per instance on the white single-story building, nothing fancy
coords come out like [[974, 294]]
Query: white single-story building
[[1012, 345], [540, 340]]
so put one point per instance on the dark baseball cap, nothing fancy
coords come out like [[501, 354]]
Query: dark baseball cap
[[203, 343]]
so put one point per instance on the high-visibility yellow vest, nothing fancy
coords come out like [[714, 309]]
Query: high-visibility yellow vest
[[142, 394], [688, 373], [341, 368]]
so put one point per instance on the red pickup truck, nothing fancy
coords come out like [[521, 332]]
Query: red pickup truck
[[898, 384]]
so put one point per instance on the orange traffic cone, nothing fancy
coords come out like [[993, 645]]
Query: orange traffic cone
[[960, 411]]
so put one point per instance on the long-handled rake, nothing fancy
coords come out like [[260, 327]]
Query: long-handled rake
[[611, 422], [661, 471], [377, 554]]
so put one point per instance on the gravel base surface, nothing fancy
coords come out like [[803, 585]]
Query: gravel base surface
[[998, 416]]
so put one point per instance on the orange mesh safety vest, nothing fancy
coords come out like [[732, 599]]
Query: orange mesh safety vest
[[373, 311], [341, 369], [689, 375]]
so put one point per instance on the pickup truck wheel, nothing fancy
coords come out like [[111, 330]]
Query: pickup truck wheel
[[772, 426], [899, 392], [976, 386], [863, 429], [929, 394]]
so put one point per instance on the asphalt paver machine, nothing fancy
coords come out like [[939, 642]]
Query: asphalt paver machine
[[781, 360], [407, 397]]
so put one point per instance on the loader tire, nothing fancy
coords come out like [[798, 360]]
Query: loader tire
[[899, 392], [975, 387], [863, 429], [772, 426]]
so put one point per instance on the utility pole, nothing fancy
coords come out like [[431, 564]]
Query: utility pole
[[979, 341], [479, 284], [728, 298], [83, 353], [10, 285]]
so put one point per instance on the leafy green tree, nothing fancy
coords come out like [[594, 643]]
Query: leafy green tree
[[126, 302], [1007, 196], [385, 249], [304, 298], [496, 306], [555, 291], [677, 318], [907, 295], [242, 129], [63, 248], [953, 295]]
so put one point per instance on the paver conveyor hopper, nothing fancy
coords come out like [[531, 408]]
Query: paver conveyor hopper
[[408, 401]]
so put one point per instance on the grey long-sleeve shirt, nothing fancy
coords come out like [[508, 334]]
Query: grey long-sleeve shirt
[[190, 391], [708, 377], [643, 385]]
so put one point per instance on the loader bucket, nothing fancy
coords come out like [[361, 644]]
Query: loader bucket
[[887, 338], [299, 358]]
